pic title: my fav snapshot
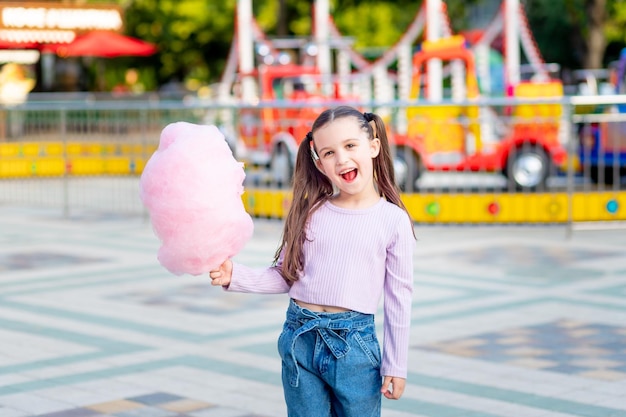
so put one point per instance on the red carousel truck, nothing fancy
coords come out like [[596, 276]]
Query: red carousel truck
[[290, 99], [522, 145], [523, 142]]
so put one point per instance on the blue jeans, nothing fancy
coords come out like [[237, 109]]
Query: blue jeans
[[330, 364]]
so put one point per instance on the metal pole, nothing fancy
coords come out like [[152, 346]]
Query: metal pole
[[246, 48], [322, 33], [435, 66], [144, 155], [404, 84], [512, 44], [66, 179], [566, 120]]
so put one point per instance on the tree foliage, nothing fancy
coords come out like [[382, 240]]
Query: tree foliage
[[194, 36], [579, 33]]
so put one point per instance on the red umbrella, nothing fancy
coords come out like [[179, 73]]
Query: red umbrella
[[6, 44], [106, 44]]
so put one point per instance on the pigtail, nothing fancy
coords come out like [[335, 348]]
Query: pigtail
[[384, 173], [310, 189], [383, 164]]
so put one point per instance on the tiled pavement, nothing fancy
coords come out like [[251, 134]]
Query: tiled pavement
[[508, 321]]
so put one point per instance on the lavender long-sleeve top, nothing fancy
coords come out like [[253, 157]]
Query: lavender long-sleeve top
[[352, 257]]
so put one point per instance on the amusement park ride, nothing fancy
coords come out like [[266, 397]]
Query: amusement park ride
[[449, 137], [602, 149], [440, 133], [449, 105]]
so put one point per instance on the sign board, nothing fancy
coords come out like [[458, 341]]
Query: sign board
[[55, 22]]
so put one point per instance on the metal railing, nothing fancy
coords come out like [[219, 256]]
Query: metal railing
[[486, 161]]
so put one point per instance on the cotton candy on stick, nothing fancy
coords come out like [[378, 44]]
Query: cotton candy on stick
[[192, 187]]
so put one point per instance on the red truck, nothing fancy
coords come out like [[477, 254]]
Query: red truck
[[523, 142], [269, 136], [523, 145]]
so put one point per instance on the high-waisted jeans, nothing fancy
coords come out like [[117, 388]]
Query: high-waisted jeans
[[330, 364]]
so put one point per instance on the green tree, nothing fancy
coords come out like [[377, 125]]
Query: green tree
[[576, 33], [615, 29], [554, 24], [194, 36]]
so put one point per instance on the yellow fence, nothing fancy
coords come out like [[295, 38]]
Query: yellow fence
[[44, 159], [497, 208], [51, 159]]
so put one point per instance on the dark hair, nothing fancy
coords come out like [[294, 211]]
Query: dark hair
[[311, 188]]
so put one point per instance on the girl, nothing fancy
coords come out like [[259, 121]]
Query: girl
[[347, 239]]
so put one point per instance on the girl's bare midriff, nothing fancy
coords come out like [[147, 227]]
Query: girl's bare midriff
[[321, 308]]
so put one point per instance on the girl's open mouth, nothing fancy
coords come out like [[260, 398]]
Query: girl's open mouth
[[349, 176]]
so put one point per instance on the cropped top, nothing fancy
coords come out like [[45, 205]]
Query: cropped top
[[351, 258]]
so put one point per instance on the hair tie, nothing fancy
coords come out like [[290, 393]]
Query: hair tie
[[369, 118], [314, 155]]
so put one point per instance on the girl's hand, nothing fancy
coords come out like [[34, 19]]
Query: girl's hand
[[397, 387], [222, 275]]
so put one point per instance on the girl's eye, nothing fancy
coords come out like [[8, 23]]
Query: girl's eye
[[328, 153], [350, 145]]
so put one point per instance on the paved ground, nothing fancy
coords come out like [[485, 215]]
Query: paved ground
[[508, 321]]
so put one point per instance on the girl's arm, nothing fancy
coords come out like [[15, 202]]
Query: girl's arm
[[240, 278], [260, 281], [398, 290]]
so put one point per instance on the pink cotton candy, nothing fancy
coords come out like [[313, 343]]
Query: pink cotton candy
[[192, 187]]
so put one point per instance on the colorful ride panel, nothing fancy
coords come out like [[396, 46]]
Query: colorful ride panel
[[34, 159], [45, 159], [488, 208]]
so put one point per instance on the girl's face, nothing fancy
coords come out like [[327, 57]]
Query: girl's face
[[346, 157]]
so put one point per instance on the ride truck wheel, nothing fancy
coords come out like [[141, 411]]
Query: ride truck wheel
[[528, 168], [407, 168]]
